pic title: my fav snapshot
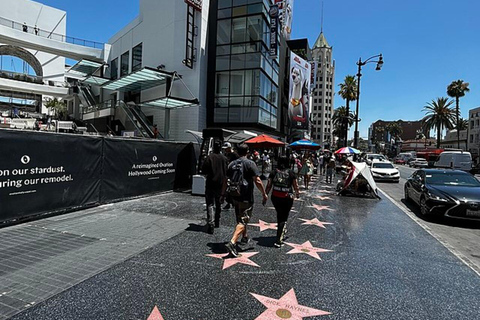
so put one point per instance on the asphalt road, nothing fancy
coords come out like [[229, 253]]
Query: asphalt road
[[459, 236]]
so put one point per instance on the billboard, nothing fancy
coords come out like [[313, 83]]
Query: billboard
[[299, 92], [273, 31], [286, 16]]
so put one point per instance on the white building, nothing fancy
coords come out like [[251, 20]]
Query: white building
[[474, 132], [450, 139], [324, 92]]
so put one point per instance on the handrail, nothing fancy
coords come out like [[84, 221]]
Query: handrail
[[123, 106], [50, 35]]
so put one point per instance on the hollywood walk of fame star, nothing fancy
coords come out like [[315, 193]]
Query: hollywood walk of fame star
[[264, 225], [323, 198], [315, 222], [155, 315], [324, 191], [320, 208], [243, 258], [286, 307], [306, 248]]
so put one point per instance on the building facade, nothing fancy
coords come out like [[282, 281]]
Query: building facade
[[324, 92], [450, 140], [473, 143]]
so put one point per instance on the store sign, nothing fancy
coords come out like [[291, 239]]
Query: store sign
[[197, 4], [273, 30]]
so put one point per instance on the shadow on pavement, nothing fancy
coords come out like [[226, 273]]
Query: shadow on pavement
[[196, 228], [265, 241]]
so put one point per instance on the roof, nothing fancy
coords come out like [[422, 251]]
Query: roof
[[321, 42]]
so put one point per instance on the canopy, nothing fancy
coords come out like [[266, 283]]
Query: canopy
[[361, 168], [305, 144], [347, 150], [264, 141]]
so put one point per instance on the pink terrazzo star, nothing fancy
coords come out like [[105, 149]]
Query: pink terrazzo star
[[243, 258], [306, 248], [155, 315], [286, 307], [264, 225], [320, 208], [315, 222], [323, 198]]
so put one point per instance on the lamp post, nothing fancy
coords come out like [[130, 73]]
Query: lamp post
[[360, 64]]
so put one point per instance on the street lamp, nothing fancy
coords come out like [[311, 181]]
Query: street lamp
[[360, 64]]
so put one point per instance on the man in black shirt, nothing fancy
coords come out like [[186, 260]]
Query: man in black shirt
[[231, 156], [215, 167]]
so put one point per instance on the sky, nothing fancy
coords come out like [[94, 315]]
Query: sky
[[426, 44]]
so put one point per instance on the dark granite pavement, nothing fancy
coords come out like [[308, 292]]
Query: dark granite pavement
[[382, 265]]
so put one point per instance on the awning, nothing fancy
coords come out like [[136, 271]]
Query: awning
[[85, 67], [95, 80], [240, 136], [170, 103], [145, 78]]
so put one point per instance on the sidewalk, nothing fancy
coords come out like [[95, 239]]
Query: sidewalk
[[122, 260]]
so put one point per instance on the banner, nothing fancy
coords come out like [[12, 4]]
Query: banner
[[273, 31], [299, 92], [286, 16], [46, 172]]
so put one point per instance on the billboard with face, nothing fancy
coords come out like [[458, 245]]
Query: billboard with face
[[286, 16], [299, 92]]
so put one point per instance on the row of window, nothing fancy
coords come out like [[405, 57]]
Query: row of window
[[320, 78], [327, 101], [320, 93], [125, 60], [245, 115], [222, 4]]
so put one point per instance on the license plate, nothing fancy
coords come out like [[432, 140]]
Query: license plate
[[473, 213]]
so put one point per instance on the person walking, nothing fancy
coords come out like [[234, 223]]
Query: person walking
[[231, 156], [307, 170], [215, 167], [321, 164], [330, 168], [242, 175], [282, 180]]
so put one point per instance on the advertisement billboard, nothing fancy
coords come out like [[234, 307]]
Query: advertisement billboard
[[299, 92], [286, 16], [273, 31]]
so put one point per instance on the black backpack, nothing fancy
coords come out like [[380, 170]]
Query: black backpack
[[281, 181], [237, 186]]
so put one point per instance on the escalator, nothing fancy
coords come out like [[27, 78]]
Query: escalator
[[88, 96], [134, 118]]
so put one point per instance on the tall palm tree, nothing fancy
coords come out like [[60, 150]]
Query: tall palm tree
[[341, 120], [348, 91], [439, 115], [456, 90], [395, 129], [463, 124]]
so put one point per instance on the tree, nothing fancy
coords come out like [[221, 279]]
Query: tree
[[457, 89], [348, 91], [395, 129], [463, 124], [57, 106], [341, 122], [439, 115]]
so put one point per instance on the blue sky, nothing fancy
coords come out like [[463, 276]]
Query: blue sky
[[426, 44]]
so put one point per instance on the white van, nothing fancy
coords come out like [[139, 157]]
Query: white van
[[460, 160]]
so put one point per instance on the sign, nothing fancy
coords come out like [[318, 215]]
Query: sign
[[273, 31], [197, 4], [313, 75], [286, 16], [299, 92]]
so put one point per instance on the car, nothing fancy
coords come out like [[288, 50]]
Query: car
[[399, 160], [385, 171], [419, 163], [455, 159], [451, 193], [374, 157]]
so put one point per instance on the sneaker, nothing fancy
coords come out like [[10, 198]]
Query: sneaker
[[231, 249], [278, 245], [245, 241], [227, 207]]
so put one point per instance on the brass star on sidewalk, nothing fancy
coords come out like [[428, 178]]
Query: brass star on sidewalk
[[243, 258], [306, 248], [320, 208], [315, 222], [155, 315], [264, 225], [286, 307]]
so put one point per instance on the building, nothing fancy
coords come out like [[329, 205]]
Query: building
[[323, 93], [450, 140], [473, 144], [378, 130]]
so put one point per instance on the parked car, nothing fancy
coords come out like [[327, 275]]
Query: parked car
[[418, 163], [453, 193], [384, 171], [398, 160], [460, 160]]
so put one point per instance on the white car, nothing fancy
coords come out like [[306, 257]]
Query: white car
[[419, 163], [385, 171], [375, 157]]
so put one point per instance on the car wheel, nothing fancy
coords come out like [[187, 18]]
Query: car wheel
[[423, 207]]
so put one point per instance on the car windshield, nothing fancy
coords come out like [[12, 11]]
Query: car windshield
[[452, 179], [383, 165]]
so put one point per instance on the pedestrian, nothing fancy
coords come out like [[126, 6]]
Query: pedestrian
[[321, 164], [282, 180], [25, 27], [155, 131], [215, 167], [330, 168], [231, 156], [36, 30], [307, 170], [242, 175]]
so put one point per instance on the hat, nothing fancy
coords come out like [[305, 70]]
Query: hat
[[227, 145]]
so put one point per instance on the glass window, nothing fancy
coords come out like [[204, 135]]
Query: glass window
[[243, 114], [239, 11], [223, 31], [221, 102], [223, 63], [252, 82], [264, 117], [252, 101], [222, 83], [236, 83], [124, 64], [114, 68], [238, 48], [255, 8], [254, 25], [236, 102], [221, 115], [223, 50], [224, 4], [238, 61], [252, 60], [239, 29], [137, 57], [225, 13]]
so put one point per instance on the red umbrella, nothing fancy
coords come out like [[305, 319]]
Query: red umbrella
[[264, 141]]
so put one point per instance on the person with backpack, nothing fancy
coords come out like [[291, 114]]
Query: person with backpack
[[215, 167], [242, 175], [281, 181]]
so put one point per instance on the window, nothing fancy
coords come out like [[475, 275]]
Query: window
[[124, 64], [137, 57], [239, 29], [114, 68], [223, 31]]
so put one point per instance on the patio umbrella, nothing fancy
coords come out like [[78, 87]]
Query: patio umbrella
[[264, 141], [347, 150], [305, 144]]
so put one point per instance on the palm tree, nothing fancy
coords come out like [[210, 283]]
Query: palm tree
[[457, 89], [341, 121], [348, 91], [463, 124], [439, 116], [59, 107], [395, 129]]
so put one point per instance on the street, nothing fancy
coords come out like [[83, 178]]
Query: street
[[345, 258]]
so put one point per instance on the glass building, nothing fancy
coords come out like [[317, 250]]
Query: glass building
[[242, 89]]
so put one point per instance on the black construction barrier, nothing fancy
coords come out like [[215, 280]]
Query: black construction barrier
[[44, 173]]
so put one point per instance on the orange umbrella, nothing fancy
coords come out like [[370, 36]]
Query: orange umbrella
[[264, 141]]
